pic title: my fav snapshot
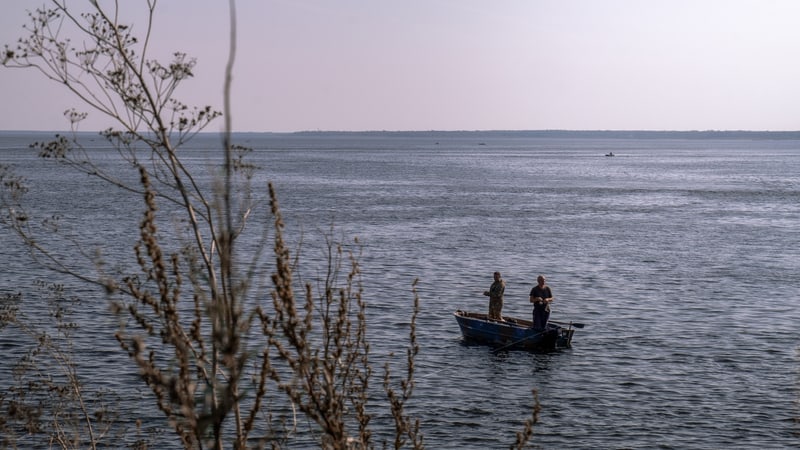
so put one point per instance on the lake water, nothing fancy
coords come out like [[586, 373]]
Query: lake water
[[680, 255]]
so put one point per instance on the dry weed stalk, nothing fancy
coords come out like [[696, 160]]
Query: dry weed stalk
[[325, 372], [193, 372], [49, 397], [525, 435]]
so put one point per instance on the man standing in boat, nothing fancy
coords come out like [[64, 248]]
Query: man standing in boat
[[495, 294], [541, 297]]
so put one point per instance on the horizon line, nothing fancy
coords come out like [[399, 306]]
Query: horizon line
[[541, 130]]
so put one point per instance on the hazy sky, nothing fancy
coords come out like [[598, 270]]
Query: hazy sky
[[466, 64]]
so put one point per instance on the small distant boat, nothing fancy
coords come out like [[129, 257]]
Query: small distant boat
[[610, 154], [514, 334]]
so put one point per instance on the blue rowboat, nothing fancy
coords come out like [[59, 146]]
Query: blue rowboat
[[512, 333]]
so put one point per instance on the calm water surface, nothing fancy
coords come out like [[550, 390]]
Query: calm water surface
[[679, 255]]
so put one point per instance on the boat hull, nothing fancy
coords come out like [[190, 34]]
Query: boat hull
[[512, 333]]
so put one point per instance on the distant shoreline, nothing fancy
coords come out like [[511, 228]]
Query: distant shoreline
[[593, 134], [510, 134]]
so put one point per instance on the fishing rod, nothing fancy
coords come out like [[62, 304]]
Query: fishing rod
[[572, 324]]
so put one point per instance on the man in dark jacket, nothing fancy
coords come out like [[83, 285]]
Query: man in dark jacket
[[541, 297]]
